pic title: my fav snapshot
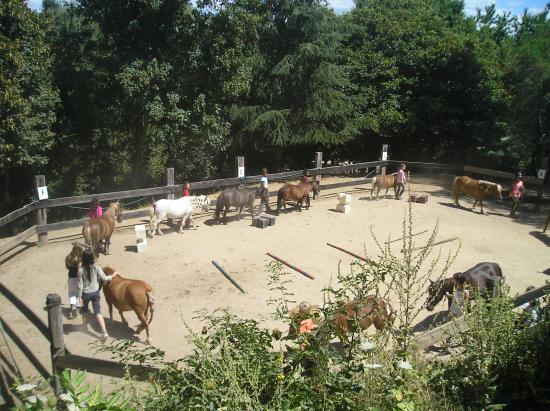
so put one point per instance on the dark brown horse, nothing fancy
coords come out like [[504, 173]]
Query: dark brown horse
[[296, 192], [97, 229], [233, 197], [475, 188], [484, 277]]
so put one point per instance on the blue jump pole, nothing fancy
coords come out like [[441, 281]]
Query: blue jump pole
[[227, 276]]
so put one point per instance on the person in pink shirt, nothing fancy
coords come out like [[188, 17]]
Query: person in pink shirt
[[95, 209], [401, 179], [515, 193], [186, 190]]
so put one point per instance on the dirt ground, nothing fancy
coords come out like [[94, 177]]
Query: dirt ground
[[180, 270]]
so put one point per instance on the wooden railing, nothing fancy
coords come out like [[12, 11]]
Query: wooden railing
[[40, 207]]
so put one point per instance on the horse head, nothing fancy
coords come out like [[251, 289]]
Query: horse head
[[436, 292], [118, 211], [316, 188], [205, 204]]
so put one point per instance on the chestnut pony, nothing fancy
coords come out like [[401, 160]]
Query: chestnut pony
[[129, 295], [476, 189], [296, 192], [97, 229], [383, 181]]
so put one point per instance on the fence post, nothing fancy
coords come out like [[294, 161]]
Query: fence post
[[318, 164], [239, 166], [57, 343], [41, 213], [170, 181], [543, 168], [383, 157]]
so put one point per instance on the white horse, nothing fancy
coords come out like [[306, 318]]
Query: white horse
[[180, 208]]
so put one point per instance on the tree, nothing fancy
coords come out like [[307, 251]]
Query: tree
[[27, 98]]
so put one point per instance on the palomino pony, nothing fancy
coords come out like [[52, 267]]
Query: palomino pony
[[475, 188], [238, 198], [129, 295], [97, 229], [484, 277], [383, 181], [297, 192]]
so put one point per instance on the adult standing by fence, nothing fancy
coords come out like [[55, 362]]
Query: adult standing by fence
[[88, 289], [264, 190]]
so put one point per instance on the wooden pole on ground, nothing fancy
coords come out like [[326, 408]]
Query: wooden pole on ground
[[57, 343], [292, 266], [41, 213], [170, 181], [437, 243], [227, 276], [407, 236], [349, 252]]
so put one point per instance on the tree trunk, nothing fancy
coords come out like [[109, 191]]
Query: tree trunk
[[139, 146]]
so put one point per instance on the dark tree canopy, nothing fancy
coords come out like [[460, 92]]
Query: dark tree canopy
[[104, 95]]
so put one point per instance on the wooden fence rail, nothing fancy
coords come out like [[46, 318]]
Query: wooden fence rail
[[20, 212]]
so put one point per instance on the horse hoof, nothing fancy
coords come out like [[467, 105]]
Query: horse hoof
[[148, 341]]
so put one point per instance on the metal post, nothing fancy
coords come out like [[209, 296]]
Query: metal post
[[544, 167], [383, 157], [41, 213], [57, 343], [318, 164], [239, 166], [170, 181]]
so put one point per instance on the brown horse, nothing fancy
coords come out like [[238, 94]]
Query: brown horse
[[383, 181], [129, 295], [97, 229], [476, 189], [296, 192]]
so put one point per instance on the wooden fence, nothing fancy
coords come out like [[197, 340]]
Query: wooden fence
[[40, 207]]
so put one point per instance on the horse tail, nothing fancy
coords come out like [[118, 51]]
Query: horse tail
[[456, 184], [219, 206], [373, 185], [150, 303], [280, 196]]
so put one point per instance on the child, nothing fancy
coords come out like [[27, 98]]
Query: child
[[460, 296], [88, 277], [515, 193], [305, 177], [401, 179], [186, 189], [530, 310], [264, 199], [95, 209], [73, 262]]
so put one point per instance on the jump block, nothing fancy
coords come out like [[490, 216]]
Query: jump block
[[344, 198], [270, 218], [142, 247], [260, 222], [419, 198], [346, 209]]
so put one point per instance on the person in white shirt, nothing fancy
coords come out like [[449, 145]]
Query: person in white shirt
[[460, 297], [264, 199]]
